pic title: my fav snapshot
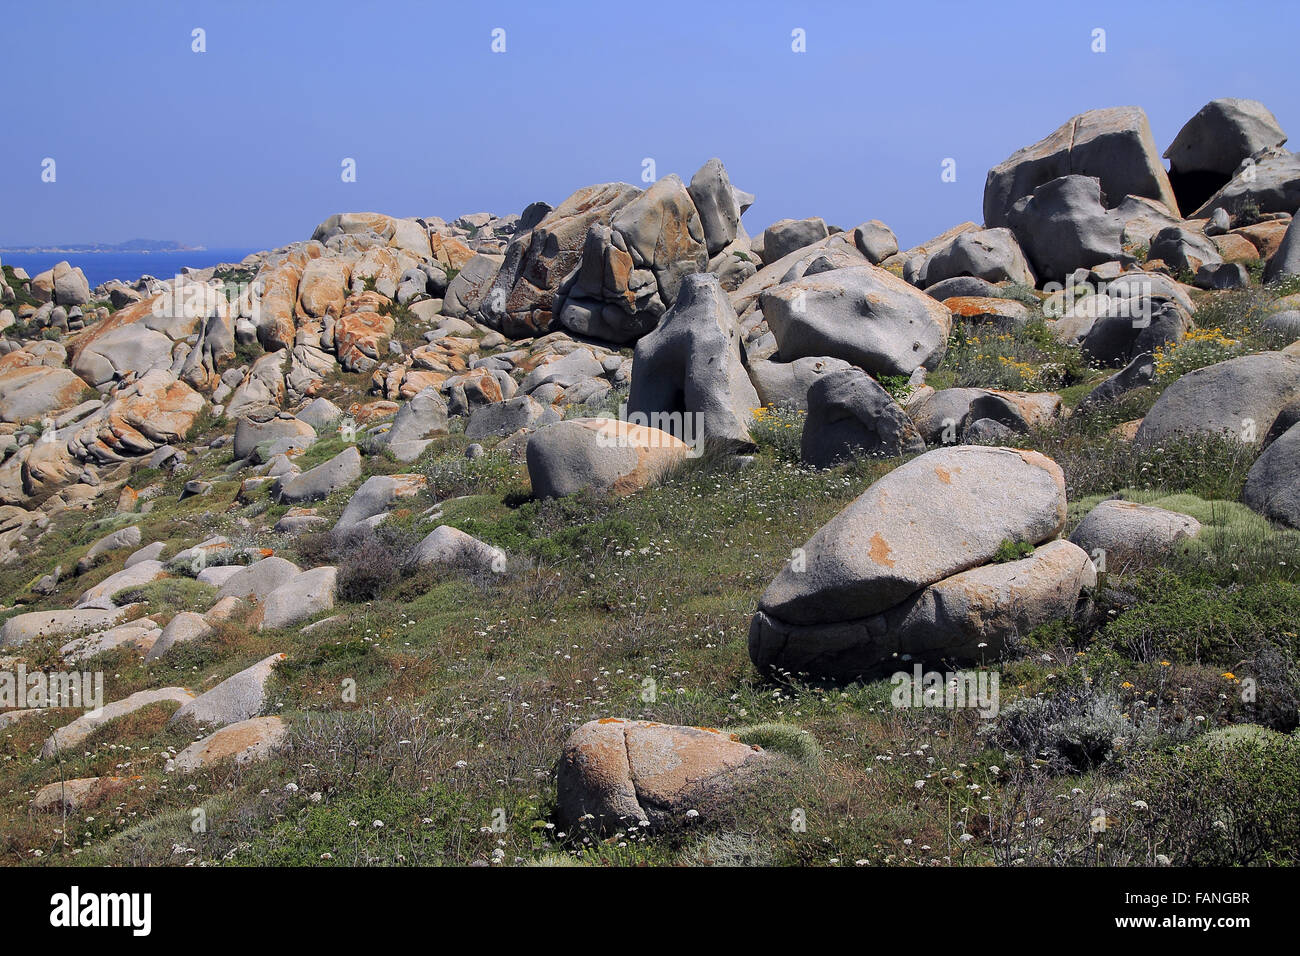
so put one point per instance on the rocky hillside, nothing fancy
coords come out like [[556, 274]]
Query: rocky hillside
[[598, 533]]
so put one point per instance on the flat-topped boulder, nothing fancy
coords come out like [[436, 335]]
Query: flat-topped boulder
[[73, 796], [248, 741], [21, 628], [71, 735], [136, 636], [137, 576], [1115, 145]]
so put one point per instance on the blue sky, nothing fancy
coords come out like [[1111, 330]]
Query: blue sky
[[241, 146]]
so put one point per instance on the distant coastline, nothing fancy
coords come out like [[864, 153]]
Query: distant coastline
[[103, 264], [131, 246]]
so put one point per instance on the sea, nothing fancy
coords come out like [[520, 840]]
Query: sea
[[128, 266]]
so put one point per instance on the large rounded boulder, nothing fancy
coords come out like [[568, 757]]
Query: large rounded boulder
[[912, 568], [603, 454], [865, 315], [616, 772], [1240, 398], [1117, 532]]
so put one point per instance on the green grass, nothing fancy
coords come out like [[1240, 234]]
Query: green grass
[[169, 595]]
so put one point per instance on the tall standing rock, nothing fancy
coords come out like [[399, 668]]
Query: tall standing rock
[[790, 235], [466, 291], [691, 365], [715, 201], [1286, 261]]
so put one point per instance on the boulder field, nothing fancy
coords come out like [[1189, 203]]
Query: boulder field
[[209, 481]]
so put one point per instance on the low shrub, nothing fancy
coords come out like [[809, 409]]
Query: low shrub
[[367, 567], [1228, 799], [1077, 729], [1176, 616], [779, 429], [1027, 358]]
